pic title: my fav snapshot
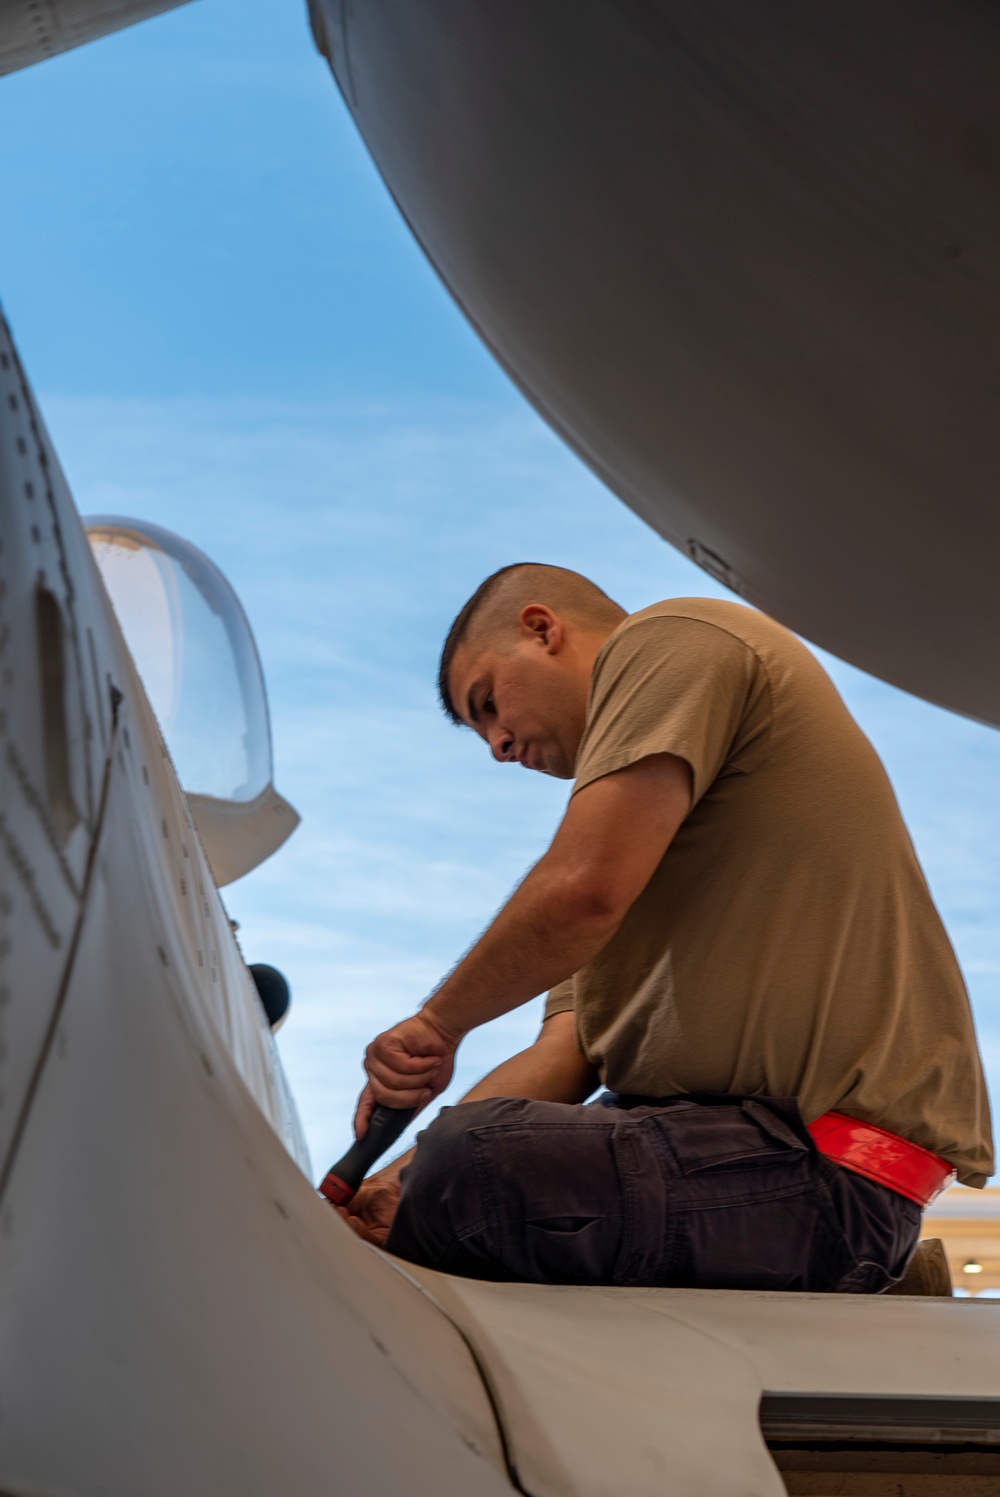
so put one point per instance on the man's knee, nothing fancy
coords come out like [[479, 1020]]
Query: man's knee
[[444, 1157], [440, 1202], [445, 1144], [442, 1147]]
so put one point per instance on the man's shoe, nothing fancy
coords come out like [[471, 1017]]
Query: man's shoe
[[927, 1271]]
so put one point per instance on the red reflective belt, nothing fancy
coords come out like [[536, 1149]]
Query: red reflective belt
[[881, 1156]]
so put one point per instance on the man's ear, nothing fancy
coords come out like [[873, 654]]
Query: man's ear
[[537, 620]]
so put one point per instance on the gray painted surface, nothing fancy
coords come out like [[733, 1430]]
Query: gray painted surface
[[746, 260], [650, 1391], [32, 30]]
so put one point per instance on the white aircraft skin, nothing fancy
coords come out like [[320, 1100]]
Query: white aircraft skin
[[179, 1311]]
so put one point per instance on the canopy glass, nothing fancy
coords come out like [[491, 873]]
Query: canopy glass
[[194, 650]]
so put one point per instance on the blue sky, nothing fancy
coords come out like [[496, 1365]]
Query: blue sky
[[232, 333]]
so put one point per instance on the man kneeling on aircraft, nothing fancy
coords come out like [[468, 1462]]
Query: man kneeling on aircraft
[[736, 939]]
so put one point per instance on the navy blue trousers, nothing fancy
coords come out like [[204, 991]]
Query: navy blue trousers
[[711, 1193]]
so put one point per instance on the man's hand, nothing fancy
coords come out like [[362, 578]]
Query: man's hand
[[550, 1070], [408, 1066], [371, 1211]]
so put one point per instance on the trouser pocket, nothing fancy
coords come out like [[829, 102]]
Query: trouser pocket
[[734, 1135], [552, 1199], [742, 1195]]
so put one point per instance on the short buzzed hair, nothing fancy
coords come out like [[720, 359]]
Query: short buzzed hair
[[495, 604]]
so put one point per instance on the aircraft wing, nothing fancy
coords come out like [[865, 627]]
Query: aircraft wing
[[743, 258], [32, 30]]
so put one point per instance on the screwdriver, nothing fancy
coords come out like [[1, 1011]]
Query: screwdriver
[[341, 1181]]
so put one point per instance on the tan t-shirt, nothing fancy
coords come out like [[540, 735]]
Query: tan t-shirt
[[787, 944]]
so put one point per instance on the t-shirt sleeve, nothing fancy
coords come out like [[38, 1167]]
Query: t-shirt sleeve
[[559, 1000], [674, 685]]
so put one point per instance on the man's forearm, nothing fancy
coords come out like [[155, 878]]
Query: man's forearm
[[545, 933], [607, 847], [538, 1073]]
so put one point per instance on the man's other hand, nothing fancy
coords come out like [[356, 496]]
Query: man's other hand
[[408, 1066], [371, 1211]]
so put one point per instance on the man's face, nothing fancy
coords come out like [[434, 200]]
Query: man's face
[[527, 700]]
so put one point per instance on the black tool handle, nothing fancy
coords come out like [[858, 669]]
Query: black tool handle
[[384, 1127]]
